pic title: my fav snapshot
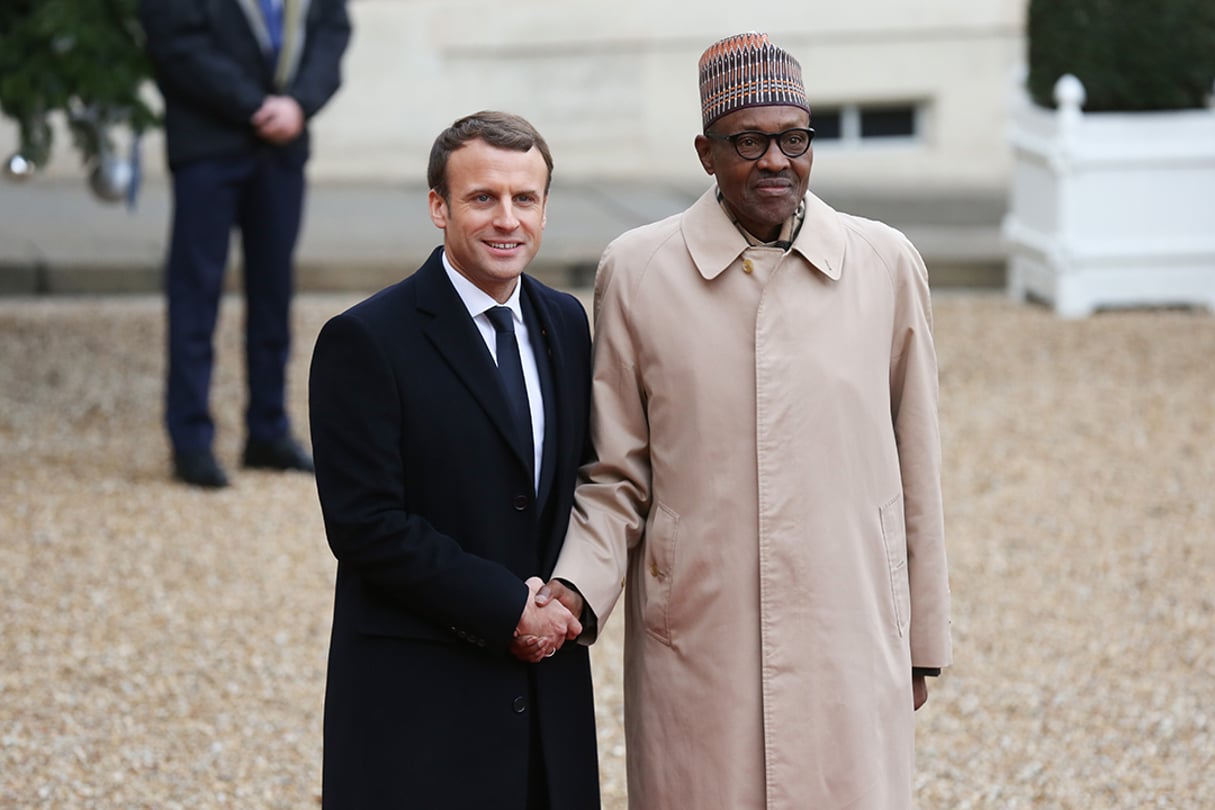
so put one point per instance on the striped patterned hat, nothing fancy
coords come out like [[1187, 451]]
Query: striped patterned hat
[[746, 70]]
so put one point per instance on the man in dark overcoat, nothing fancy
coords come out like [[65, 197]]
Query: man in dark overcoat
[[448, 422]]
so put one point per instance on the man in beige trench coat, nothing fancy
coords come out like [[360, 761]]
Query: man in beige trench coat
[[767, 476]]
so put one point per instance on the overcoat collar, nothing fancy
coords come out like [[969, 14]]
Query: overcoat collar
[[715, 243]]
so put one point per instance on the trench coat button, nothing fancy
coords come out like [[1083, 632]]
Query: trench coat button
[[520, 705], [520, 503], [748, 267], [654, 570]]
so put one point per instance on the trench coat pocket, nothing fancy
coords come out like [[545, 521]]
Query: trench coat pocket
[[661, 539], [894, 536]]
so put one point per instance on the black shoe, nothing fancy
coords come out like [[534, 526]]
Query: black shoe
[[280, 454], [199, 469]]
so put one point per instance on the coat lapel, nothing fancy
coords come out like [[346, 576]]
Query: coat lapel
[[257, 23], [295, 17], [561, 452], [540, 328], [454, 336]]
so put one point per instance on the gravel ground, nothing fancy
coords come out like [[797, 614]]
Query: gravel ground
[[164, 647]]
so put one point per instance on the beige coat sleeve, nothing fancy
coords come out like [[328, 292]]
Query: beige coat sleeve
[[613, 494], [914, 409]]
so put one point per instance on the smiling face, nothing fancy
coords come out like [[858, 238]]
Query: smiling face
[[494, 213], [761, 193]]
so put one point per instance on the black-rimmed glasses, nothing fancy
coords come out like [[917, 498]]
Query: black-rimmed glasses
[[752, 144]]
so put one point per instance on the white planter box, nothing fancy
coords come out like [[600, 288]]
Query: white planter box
[[1110, 209]]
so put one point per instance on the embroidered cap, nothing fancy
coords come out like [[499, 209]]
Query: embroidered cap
[[746, 70]]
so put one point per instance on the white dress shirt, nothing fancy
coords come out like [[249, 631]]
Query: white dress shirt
[[478, 302]]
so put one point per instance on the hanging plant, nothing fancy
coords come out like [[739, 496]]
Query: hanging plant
[[81, 58]]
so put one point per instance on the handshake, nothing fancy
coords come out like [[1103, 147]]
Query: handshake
[[550, 618]]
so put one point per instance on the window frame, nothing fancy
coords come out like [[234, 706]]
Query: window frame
[[850, 125]]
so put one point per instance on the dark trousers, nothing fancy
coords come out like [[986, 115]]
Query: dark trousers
[[262, 195]]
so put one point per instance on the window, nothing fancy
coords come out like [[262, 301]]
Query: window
[[827, 124], [887, 122], [856, 124]]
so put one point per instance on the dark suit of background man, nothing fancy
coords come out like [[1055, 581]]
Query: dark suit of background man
[[240, 79], [443, 509]]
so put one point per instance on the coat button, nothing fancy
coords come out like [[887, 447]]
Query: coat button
[[748, 267], [520, 705], [654, 570], [520, 502]]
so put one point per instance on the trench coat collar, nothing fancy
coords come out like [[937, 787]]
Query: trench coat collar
[[714, 243]]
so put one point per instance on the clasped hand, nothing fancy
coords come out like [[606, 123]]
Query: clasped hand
[[278, 120], [545, 625]]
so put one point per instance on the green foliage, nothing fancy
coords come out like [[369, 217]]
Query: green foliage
[[1129, 54], [80, 57]]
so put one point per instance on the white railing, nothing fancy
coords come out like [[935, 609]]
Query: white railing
[[1110, 209]]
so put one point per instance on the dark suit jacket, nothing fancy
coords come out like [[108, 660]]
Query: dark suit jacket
[[213, 73], [430, 510]]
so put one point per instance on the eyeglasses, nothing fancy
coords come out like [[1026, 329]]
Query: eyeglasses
[[752, 144]]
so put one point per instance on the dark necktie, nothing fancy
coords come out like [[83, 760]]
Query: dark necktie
[[511, 369]]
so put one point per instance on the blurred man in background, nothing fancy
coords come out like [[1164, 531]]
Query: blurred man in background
[[240, 79]]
